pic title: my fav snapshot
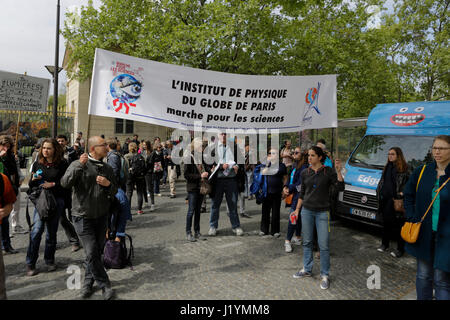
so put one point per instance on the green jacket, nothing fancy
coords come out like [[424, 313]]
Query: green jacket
[[90, 200]]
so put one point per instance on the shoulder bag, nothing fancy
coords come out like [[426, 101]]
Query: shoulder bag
[[410, 230]]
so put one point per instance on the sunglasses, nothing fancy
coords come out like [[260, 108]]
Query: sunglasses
[[297, 152]]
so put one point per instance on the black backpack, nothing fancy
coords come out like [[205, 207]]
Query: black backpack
[[137, 166]]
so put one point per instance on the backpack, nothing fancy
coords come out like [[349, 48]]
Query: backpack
[[259, 184], [116, 255], [137, 166]]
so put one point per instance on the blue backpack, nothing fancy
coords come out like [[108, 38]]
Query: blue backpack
[[259, 184]]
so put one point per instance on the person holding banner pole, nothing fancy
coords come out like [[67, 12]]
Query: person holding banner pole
[[224, 181]]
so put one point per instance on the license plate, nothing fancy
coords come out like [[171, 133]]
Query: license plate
[[363, 213]]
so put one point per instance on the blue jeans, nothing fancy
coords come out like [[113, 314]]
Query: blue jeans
[[294, 228], [50, 239], [321, 221], [426, 277], [230, 188], [195, 203]]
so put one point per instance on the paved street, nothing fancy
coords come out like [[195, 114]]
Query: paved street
[[166, 266]]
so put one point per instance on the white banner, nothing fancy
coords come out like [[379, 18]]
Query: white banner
[[174, 96], [23, 93]]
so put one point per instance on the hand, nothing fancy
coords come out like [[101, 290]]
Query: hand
[[338, 165], [103, 181], [84, 158], [3, 152], [295, 212], [205, 175], [117, 239], [236, 168], [225, 166], [6, 210], [265, 171], [48, 185]]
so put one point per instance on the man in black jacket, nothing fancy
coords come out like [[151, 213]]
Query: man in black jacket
[[66, 220], [94, 188]]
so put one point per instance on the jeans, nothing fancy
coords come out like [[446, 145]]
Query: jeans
[[149, 182], [294, 228], [230, 188], [195, 203], [164, 177], [427, 277], [140, 189], [92, 233], [241, 201], [156, 181], [321, 221], [271, 203], [50, 240], [69, 229], [248, 182]]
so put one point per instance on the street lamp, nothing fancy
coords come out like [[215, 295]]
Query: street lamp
[[54, 70]]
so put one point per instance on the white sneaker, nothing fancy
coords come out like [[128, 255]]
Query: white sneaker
[[152, 208], [212, 231], [287, 247], [276, 235], [159, 194], [238, 231]]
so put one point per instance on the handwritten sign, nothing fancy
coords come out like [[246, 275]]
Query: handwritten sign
[[23, 93]]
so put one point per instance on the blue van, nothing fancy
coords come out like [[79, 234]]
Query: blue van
[[409, 126]]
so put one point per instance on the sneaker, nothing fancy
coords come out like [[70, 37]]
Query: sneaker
[[287, 247], [396, 253], [238, 231], [212, 231], [302, 274], [140, 212], [108, 293], [51, 267], [276, 235], [75, 248], [296, 241], [19, 230], [382, 248], [261, 234], [199, 236], [324, 283], [31, 271], [190, 237], [152, 208]]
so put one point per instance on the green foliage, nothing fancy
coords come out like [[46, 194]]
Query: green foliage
[[405, 59]]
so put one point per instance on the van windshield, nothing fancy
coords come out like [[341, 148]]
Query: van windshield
[[372, 152]]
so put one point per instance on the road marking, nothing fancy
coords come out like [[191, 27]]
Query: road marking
[[232, 244], [33, 287]]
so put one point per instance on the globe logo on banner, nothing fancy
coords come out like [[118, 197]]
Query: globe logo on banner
[[125, 89], [312, 104]]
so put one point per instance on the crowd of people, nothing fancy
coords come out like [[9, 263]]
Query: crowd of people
[[85, 178]]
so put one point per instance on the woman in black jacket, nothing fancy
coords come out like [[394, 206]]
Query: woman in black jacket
[[194, 173], [47, 173], [156, 165], [394, 177]]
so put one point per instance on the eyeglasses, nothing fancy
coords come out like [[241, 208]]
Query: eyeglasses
[[439, 149]]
